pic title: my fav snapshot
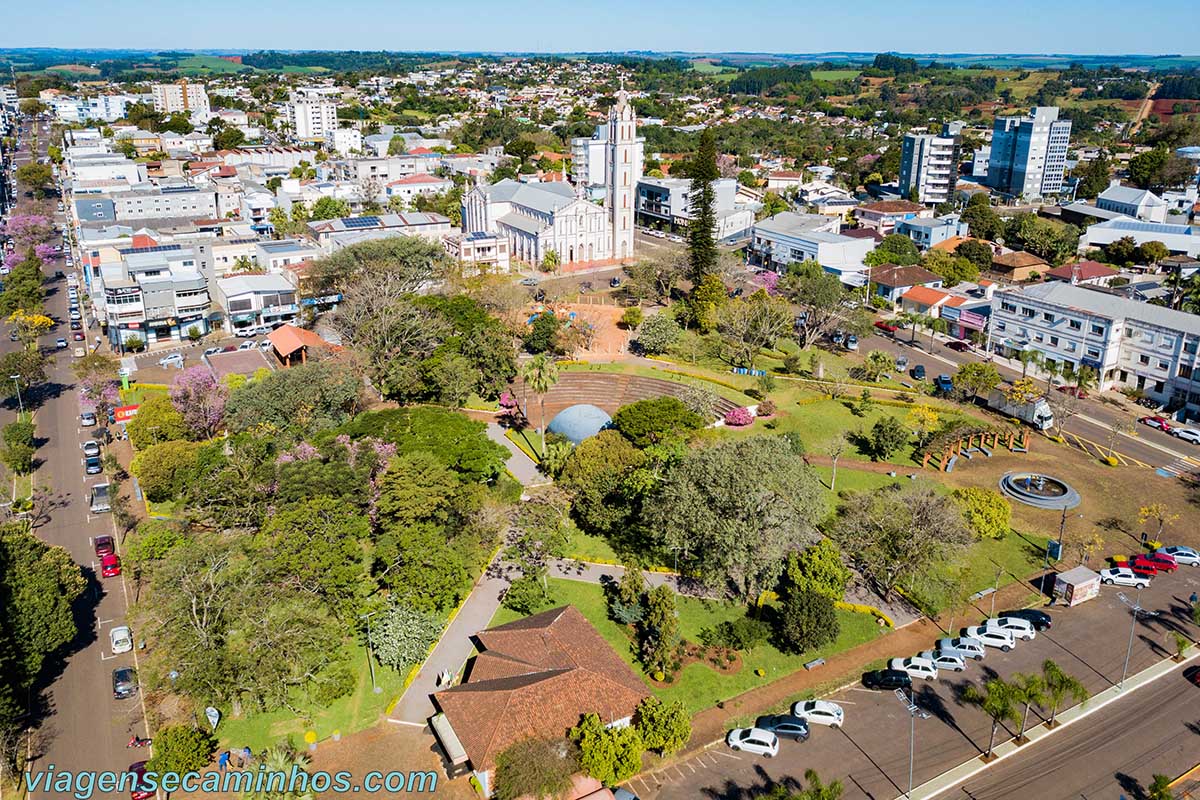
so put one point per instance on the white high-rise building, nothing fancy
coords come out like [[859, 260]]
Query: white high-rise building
[[621, 176], [589, 158], [171, 98], [312, 118], [929, 164], [1029, 154]]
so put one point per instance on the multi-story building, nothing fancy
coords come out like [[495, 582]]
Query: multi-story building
[[1179, 239], [154, 294], [311, 119], [589, 160], [666, 202], [105, 107], [789, 238], [407, 189], [250, 301], [1028, 155], [347, 141], [333, 234], [480, 252], [926, 233], [1129, 343], [180, 97], [929, 164], [166, 202]]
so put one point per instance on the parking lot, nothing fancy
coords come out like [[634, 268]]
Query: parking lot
[[870, 753]]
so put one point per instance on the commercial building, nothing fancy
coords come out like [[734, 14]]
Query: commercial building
[[164, 203], [153, 294], [1028, 155], [788, 238], [667, 203], [1129, 343], [929, 164], [251, 301], [180, 97], [104, 107], [311, 119], [1179, 239], [333, 234]]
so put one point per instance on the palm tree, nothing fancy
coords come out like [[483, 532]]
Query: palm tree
[[935, 325], [1160, 788], [282, 760], [998, 700], [1059, 686], [1028, 357], [912, 319], [1053, 369], [1085, 378], [816, 789], [1030, 690], [540, 374]]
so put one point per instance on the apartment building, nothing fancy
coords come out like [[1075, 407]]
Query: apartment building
[[311, 118], [1129, 343], [180, 97], [788, 238], [929, 164], [165, 202], [1028, 155], [154, 294], [77, 110], [666, 203]]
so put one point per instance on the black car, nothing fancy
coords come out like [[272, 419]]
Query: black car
[[124, 683], [887, 679], [1040, 620], [785, 726], [918, 372], [614, 282]]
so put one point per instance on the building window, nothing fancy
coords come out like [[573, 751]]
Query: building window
[[1144, 359], [1093, 352], [1048, 317], [1098, 329], [1075, 324], [1027, 312], [1008, 307], [1000, 325], [1164, 364], [1185, 371], [1054, 341]]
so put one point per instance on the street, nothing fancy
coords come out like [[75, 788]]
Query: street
[[870, 753], [82, 727]]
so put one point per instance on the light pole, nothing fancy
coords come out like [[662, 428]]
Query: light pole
[[909, 701], [1135, 610], [16, 379], [371, 650]]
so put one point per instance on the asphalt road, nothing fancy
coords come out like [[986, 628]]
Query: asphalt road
[[1153, 731], [1147, 447], [870, 753], [82, 726]]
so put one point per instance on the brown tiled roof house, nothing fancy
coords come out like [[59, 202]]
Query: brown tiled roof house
[[1018, 266], [535, 677]]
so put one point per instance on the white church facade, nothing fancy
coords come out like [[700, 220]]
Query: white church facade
[[539, 218]]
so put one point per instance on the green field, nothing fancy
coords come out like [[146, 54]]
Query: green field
[[198, 64], [835, 74], [699, 686]]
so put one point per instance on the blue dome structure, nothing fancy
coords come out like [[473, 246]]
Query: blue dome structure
[[579, 422]]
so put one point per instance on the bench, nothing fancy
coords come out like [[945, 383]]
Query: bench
[[816, 662]]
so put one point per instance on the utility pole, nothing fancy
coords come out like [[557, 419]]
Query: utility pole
[[909, 701], [371, 651], [1135, 610]]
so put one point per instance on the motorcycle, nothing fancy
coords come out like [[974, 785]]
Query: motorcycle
[[137, 741]]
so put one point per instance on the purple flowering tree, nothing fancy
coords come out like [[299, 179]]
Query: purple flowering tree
[[738, 417], [29, 230], [99, 394], [201, 399]]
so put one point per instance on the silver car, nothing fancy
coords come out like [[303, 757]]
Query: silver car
[[952, 662], [1184, 556]]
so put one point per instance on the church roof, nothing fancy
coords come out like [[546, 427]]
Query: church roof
[[523, 223], [542, 197]]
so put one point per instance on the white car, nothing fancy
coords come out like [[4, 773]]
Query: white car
[[1020, 628], [753, 740], [1187, 434], [121, 639], [249, 344], [916, 667], [172, 360], [952, 662], [75, 315], [1184, 556], [819, 712], [1123, 576], [992, 637]]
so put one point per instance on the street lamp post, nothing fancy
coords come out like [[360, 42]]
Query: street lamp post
[[16, 379], [371, 651], [910, 702], [1135, 609]]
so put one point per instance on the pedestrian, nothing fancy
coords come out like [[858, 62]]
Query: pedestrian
[[1194, 599], [223, 761], [248, 755]]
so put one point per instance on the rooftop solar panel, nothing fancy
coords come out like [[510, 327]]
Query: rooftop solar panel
[[361, 222]]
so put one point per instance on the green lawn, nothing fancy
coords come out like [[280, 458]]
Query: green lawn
[[835, 74], [168, 509], [356, 711], [698, 686], [136, 395], [698, 376], [528, 440], [1013, 558], [210, 64], [587, 547]]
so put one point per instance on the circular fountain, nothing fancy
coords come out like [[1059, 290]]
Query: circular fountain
[[1038, 490]]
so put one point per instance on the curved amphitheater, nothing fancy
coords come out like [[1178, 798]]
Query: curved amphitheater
[[608, 390]]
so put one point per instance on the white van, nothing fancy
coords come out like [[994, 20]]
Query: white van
[[1020, 628]]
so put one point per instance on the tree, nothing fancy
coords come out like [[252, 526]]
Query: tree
[[1145, 169], [953, 268], [647, 422], [806, 621], [1158, 512], [312, 396], [402, 635], [896, 248], [655, 279], [877, 362], [986, 511], [35, 176], [665, 727], [529, 593], [181, 749], [1152, 252], [817, 569], [200, 398], [977, 252], [738, 508], [1028, 358], [1050, 241], [1122, 251], [282, 760], [329, 208], [658, 333], [702, 246], [397, 146], [27, 364], [1160, 788], [836, 448], [30, 326], [161, 468], [982, 220], [659, 630], [895, 532], [228, 139], [748, 325], [543, 334], [610, 755], [819, 295], [1028, 690], [1094, 177], [540, 374], [999, 700], [887, 436], [550, 261], [540, 768], [156, 421]]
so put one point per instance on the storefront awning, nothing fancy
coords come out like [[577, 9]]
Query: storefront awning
[[448, 738]]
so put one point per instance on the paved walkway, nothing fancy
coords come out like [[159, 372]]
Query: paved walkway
[[520, 465]]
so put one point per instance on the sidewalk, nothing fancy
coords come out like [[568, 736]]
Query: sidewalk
[[520, 465], [948, 780]]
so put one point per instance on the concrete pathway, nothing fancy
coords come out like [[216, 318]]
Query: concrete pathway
[[520, 465]]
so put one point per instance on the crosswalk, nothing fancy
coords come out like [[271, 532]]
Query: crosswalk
[[1183, 467]]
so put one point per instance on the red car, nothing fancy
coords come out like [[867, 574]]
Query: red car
[[1161, 561], [104, 546], [960, 345], [1156, 422], [110, 565], [139, 791], [886, 327], [1074, 391], [1147, 569]]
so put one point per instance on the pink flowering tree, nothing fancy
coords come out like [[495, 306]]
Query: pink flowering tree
[[201, 399], [770, 282], [99, 394], [28, 230]]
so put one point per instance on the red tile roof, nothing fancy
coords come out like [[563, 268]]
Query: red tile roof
[[923, 295], [1083, 271], [419, 178], [1017, 260], [287, 339], [536, 677]]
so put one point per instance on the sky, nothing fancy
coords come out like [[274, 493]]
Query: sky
[[795, 26]]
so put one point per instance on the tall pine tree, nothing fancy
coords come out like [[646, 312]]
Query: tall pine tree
[[702, 247]]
